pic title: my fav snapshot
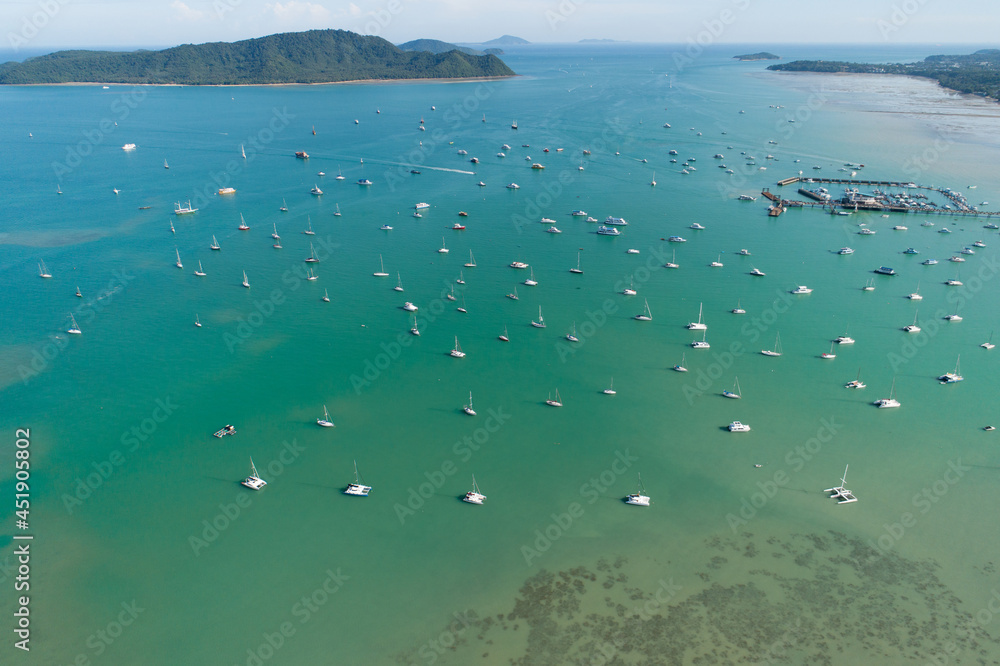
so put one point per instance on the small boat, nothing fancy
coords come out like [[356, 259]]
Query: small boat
[[887, 403], [513, 296], [462, 308], [640, 498], [325, 421], [357, 488], [531, 281], [226, 430], [646, 314], [840, 493], [321, 173], [326, 296], [856, 383], [953, 317], [381, 271], [178, 264], [608, 231], [385, 227], [274, 234], [577, 270], [802, 289], [844, 339], [701, 344], [311, 259], [474, 496], [468, 408], [677, 239], [246, 282], [518, 264], [316, 191], [846, 250], [253, 482], [243, 152], [309, 227], [915, 296], [415, 330], [222, 191], [197, 322], [579, 213], [541, 322], [80, 295], [215, 244], [631, 251], [954, 283], [929, 262], [513, 125], [243, 224], [777, 347], [911, 250], [472, 261], [652, 182], [913, 328], [736, 426], [503, 336], [885, 270], [738, 309], [630, 290], [128, 147], [717, 263], [735, 393], [756, 271], [697, 226], [74, 328], [864, 232], [979, 243], [554, 403], [829, 355], [481, 184], [311, 276], [399, 283], [410, 307], [550, 230], [165, 165], [572, 336], [989, 343], [458, 226], [673, 261], [457, 351], [451, 296], [513, 186], [700, 324], [200, 272], [680, 366], [443, 249], [302, 155], [184, 210], [955, 376], [611, 388]]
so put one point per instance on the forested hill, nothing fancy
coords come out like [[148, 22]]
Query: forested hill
[[976, 73], [316, 56]]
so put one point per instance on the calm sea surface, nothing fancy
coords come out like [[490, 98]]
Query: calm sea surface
[[148, 550]]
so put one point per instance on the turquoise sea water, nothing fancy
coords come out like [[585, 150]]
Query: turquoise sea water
[[133, 502]]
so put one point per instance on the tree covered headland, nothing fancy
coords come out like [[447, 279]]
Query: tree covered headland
[[975, 74], [315, 56]]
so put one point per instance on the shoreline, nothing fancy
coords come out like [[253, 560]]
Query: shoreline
[[467, 79], [912, 77]]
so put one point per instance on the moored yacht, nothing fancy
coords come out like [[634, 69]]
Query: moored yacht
[[736, 426], [640, 498]]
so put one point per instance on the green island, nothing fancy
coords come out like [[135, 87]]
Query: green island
[[974, 74], [314, 56], [763, 55]]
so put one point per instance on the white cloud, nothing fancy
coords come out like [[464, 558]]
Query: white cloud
[[185, 13]]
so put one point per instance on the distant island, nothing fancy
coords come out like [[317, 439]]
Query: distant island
[[974, 74], [437, 46], [506, 40], [315, 56], [763, 55]]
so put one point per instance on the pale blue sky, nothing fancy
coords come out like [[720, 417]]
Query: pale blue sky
[[52, 24]]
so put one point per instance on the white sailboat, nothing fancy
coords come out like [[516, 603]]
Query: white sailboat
[[201, 271], [577, 270], [197, 322], [735, 393], [503, 336], [468, 408], [311, 259], [640, 498], [701, 344], [700, 324], [913, 328], [325, 421], [673, 261], [462, 308], [474, 496], [646, 314], [74, 328], [246, 282], [829, 355], [326, 296], [172, 230], [243, 224], [243, 152], [472, 261], [357, 488], [284, 206], [739, 309], [451, 296], [531, 281], [680, 366], [885, 403], [541, 322], [611, 388], [215, 244], [444, 248], [630, 289], [986, 345], [953, 377], [457, 351], [513, 296], [777, 347], [274, 234], [309, 227], [165, 165], [554, 403], [461, 278], [399, 283], [572, 336], [253, 482], [856, 383], [178, 264], [415, 330], [381, 271], [841, 493]]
